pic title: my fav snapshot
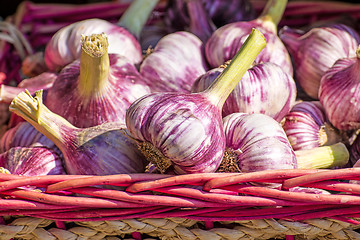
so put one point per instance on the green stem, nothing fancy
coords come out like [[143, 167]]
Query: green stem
[[37, 114], [223, 85], [94, 64], [136, 16], [335, 155], [273, 11]]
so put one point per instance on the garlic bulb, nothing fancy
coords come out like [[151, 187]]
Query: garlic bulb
[[256, 142], [306, 126], [175, 63], [338, 93], [64, 46], [226, 40], [316, 50], [184, 130], [32, 161], [264, 88], [24, 135], [97, 88], [100, 150]]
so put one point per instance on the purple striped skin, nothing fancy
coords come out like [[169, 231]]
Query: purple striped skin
[[25, 135], [259, 141], [32, 161], [315, 51], [175, 63], [265, 88], [105, 149], [228, 39], [65, 45], [123, 86], [339, 93], [303, 124], [186, 128]]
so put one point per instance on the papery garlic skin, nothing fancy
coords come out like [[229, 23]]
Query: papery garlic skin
[[315, 51], [105, 149], [123, 85], [175, 63], [265, 88], [64, 47], [227, 40], [339, 93], [306, 126], [259, 142], [182, 128], [24, 135], [34, 160]]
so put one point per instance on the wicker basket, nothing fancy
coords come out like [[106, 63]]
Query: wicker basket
[[192, 206], [196, 206]]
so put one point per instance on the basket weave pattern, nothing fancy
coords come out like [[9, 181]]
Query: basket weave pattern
[[192, 206]]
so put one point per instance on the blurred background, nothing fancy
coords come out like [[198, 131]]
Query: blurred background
[[9, 6]]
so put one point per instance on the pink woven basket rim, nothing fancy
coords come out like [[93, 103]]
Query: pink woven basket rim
[[204, 196]]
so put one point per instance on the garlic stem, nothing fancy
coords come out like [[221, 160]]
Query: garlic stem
[[136, 16], [274, 11], [335, 155], [94, 64], [223, 85], [37, 114]]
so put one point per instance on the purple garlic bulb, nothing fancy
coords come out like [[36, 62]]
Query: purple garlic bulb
[[315, 51], [184, 128], [64, 47], [256, 142], [175, 63], [97, 88], [104, 149], [24, 135], [338, 93], [226, 40], [32, 161], [264, 88], [306, 126], [183, 131]]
